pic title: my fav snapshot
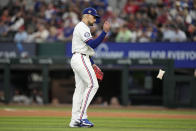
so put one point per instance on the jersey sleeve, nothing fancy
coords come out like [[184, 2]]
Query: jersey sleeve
[[85, 34]]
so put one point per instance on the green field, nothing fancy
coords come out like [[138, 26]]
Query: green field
[[101, 124]]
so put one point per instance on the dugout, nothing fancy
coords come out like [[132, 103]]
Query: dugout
[[57, 80], [137, 80], [144, 88]]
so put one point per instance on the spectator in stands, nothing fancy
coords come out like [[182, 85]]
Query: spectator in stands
[[179, 35], [5, 36], [124, 34], [67, 32], [136, 13], [71, 16], [3, 29], [152, 33], [174, 34], [5, 16], [83, 4], [17, 6], [162, 17], [40, 36], [53, 35], [108, 14], [131, 22], [140, 19], [159, 34], [174, 10], [192, 12], [143, 35], [192, 32], [160, 3], [116, 23], [17, 21], [100, 4], [152, 13], [37, 5], [168, 33], [131, 7], [134, 34], [49, 12], [21, 35], [180, 23]]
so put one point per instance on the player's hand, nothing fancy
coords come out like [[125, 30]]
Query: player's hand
[[106, 26]]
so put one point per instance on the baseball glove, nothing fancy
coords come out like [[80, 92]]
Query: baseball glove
[[98, 72]]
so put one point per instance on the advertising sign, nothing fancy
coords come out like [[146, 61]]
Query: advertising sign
[[184, 54], [13, 50]]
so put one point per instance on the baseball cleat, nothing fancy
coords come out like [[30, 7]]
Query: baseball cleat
[[86, 123], [76, 123]]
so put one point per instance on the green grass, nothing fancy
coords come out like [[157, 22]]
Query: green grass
[[101, 124]]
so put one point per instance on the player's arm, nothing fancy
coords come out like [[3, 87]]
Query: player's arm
[[93, 43]]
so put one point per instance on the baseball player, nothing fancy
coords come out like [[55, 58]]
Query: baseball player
[[85, 71]]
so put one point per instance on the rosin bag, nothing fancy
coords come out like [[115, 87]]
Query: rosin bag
[[161, 73]]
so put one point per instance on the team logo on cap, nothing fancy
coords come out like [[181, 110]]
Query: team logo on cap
[[89, 11]]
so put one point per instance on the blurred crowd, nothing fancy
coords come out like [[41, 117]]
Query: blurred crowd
[[135, 21]]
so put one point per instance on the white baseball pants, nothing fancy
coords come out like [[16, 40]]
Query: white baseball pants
[[86, 85]]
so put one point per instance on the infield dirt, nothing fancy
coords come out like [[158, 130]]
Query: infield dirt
[[54, 113]]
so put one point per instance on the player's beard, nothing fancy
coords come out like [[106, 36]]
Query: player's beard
[[90, 23]]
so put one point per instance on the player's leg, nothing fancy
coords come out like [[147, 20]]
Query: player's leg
[[90, 79], [82, 65], [78, 93], [77, 97]]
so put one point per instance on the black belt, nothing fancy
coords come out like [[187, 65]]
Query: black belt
[[79, 53]]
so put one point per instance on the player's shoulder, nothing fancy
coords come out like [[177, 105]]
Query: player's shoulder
[[81, 25]]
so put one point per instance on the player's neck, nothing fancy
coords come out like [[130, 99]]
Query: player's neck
[[85, 21]]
